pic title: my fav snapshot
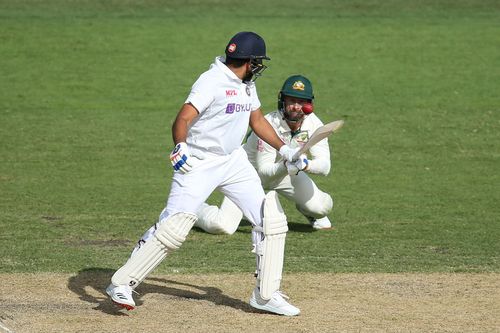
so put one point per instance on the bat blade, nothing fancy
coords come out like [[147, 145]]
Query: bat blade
[[318, 135]]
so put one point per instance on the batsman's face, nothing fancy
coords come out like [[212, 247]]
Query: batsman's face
[[254, 69]]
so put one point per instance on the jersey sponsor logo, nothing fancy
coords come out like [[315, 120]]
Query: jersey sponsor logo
[[260, 145], [235, 107], [231, 92]]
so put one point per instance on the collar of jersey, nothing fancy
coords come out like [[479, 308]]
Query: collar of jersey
[[219, 63], [283, 125]]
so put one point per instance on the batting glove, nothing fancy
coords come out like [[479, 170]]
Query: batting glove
[[288, 152], [179, 158], [299, 165]]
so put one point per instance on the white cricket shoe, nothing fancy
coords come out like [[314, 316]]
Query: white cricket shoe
[[277, 304], [121, 296], [322, 223]]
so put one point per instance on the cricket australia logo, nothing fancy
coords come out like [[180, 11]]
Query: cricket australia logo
[[298, 85], [234, 107], [301, 137]]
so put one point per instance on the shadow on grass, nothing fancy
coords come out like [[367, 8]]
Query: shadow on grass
[[99, 278], [300, 227], [246, 228]]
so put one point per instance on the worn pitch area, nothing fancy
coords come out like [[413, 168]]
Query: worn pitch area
[[436, 302]]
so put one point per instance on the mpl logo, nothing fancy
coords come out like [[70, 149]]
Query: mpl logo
[[231, 93], [233, 107]]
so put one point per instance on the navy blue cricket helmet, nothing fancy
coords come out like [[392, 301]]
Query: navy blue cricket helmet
[[246, 45]]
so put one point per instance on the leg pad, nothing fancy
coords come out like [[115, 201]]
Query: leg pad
[[273, 247], [169, 236]]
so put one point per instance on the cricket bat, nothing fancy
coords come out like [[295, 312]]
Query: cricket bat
[[318, 135]]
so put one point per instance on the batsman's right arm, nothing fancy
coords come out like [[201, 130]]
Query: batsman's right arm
[[181, 124]]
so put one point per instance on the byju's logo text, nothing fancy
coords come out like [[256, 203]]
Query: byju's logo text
[[233, 107]]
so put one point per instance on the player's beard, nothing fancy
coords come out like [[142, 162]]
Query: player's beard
[[294, 116], [248, 77]]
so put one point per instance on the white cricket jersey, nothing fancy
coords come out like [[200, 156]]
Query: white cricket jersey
[[224, 104], [267, 161]]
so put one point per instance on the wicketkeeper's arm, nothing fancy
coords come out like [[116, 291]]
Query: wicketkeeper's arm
[[319, 162], [268, 164], [319, 154]]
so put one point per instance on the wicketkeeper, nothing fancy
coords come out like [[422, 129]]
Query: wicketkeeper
[[294, 122]]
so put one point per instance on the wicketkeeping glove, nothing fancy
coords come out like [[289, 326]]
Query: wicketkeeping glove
[[299, 165], [179, 158], [287, 152]]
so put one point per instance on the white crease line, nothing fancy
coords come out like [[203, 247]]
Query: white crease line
[[5, 328]]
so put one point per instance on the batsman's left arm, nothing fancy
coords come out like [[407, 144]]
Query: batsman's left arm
[[264, 130]]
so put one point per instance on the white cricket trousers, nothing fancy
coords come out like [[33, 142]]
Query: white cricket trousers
[[306, 195], [300, 189], [231, 174]]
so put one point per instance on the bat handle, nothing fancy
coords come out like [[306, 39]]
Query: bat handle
[[297, 155]]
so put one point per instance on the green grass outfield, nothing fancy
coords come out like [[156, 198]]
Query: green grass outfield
[[89, 90]]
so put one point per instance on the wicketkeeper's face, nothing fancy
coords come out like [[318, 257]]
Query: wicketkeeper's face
[[293, 107]]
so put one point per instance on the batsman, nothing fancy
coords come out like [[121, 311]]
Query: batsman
[[208, 132], [294, 121]]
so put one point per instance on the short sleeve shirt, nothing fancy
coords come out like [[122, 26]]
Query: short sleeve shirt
[[224, 104]]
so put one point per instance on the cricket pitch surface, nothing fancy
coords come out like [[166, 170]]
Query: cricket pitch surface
[[435, 302]]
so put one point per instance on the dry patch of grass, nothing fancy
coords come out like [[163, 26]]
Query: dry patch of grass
[[219, 303]]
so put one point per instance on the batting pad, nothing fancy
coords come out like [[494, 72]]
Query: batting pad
[[169, 236], [273, 247]]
